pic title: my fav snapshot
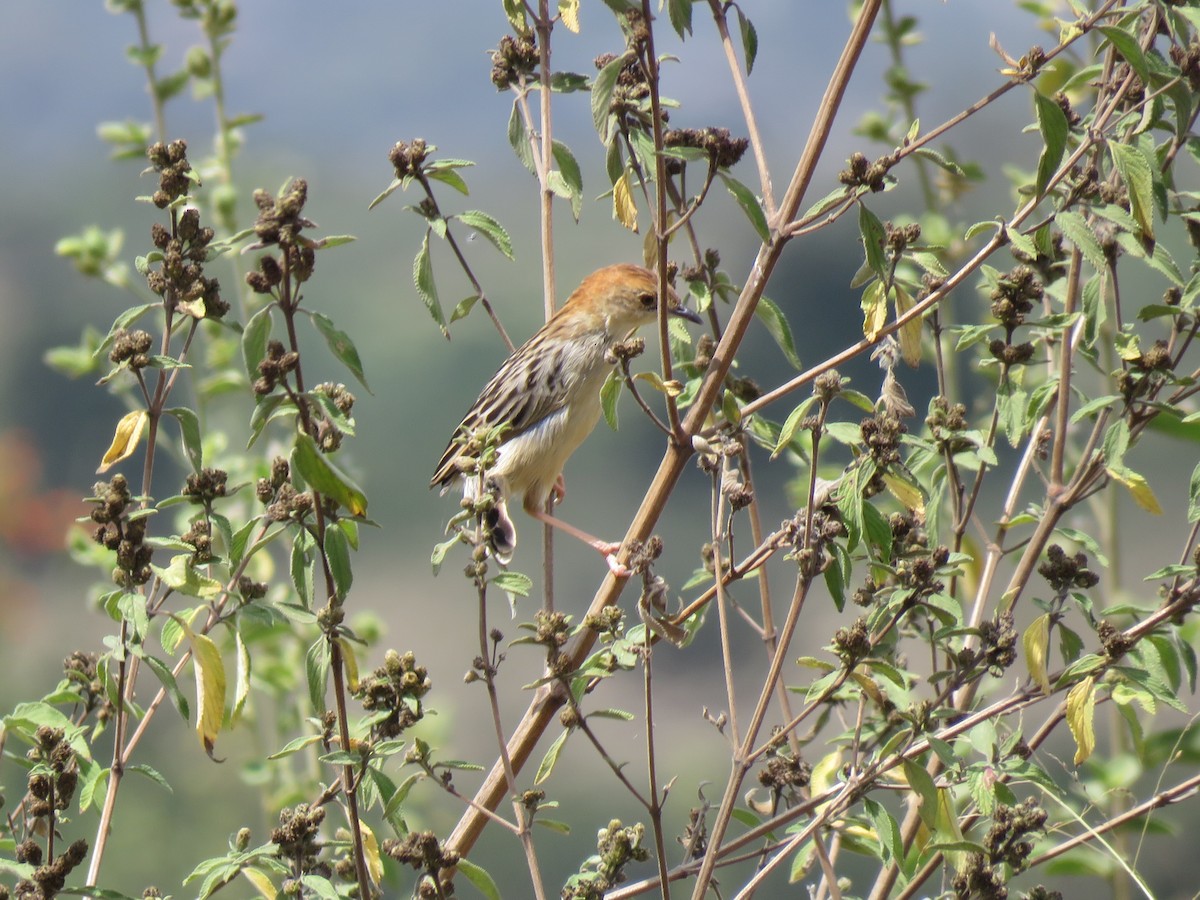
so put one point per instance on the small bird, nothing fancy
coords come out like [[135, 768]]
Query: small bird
[[548, 395]]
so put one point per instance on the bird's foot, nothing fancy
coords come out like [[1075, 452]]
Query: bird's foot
[[609, 551]]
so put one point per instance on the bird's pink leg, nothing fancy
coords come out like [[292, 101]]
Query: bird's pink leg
[[607, 549]]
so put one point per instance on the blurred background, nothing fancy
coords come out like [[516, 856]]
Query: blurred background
[[338, 84]]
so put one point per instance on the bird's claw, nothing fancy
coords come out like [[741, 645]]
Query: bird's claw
[[609, 551], [618, 568]]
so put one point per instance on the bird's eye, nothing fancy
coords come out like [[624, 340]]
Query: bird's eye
[[648, 301]]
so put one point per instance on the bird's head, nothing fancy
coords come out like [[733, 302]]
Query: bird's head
[[623, 297]]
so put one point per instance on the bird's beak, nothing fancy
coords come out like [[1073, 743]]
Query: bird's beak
[[677, 308]]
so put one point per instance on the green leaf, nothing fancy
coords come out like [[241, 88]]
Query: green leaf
[[791, 425], [680, 12], [189, 429], [316, 671], [514, 583], [518, 138], [254, 341], [610, 392], [603, 86], [749, 39], [871, 230], [151, 773], [1075, 229], [1139, 180], [777, 324], [1052, 122], [572, 177], [167, 679], [479, 878], [337, 552], [181, 575], [341, 346], [423, 280], [1127, 45], [490, 229], [551, 758], [321, 475], [749, 204], [450, 177], [1193, 512]]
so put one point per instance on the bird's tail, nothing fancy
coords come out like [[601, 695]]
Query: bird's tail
[[503, 538], [502, 533]]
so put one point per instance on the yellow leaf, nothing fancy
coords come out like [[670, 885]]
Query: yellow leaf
[[874, 307], [261, 882], [1081, 709], [371, 852], [868, 685], [568, 11], [910, 332], [947, 828], [210, 688], [194, 308], [349, 663], [1139, 489], [1036, 642], [906, 492], [125, 440], [624, 209]]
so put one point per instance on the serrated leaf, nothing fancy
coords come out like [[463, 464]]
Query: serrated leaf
[[1075, 229], [514, 583], [749, 204], [749, 39], [568, 169], [489, 228], [341, 346], [1081, 708], [423, 281], [518, 138], [126, 437], [872, 233], [680, 13], [1139, 181], [1036, 643], [603, 86], [1127, 45], [316, 672], [777, 326], [1052, 122]]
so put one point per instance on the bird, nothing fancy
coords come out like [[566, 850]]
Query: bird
[[546, 395]]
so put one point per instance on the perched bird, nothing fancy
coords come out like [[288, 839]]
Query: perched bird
[[548, 395]]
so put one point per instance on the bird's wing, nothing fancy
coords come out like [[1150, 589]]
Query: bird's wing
[[527, 388]]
